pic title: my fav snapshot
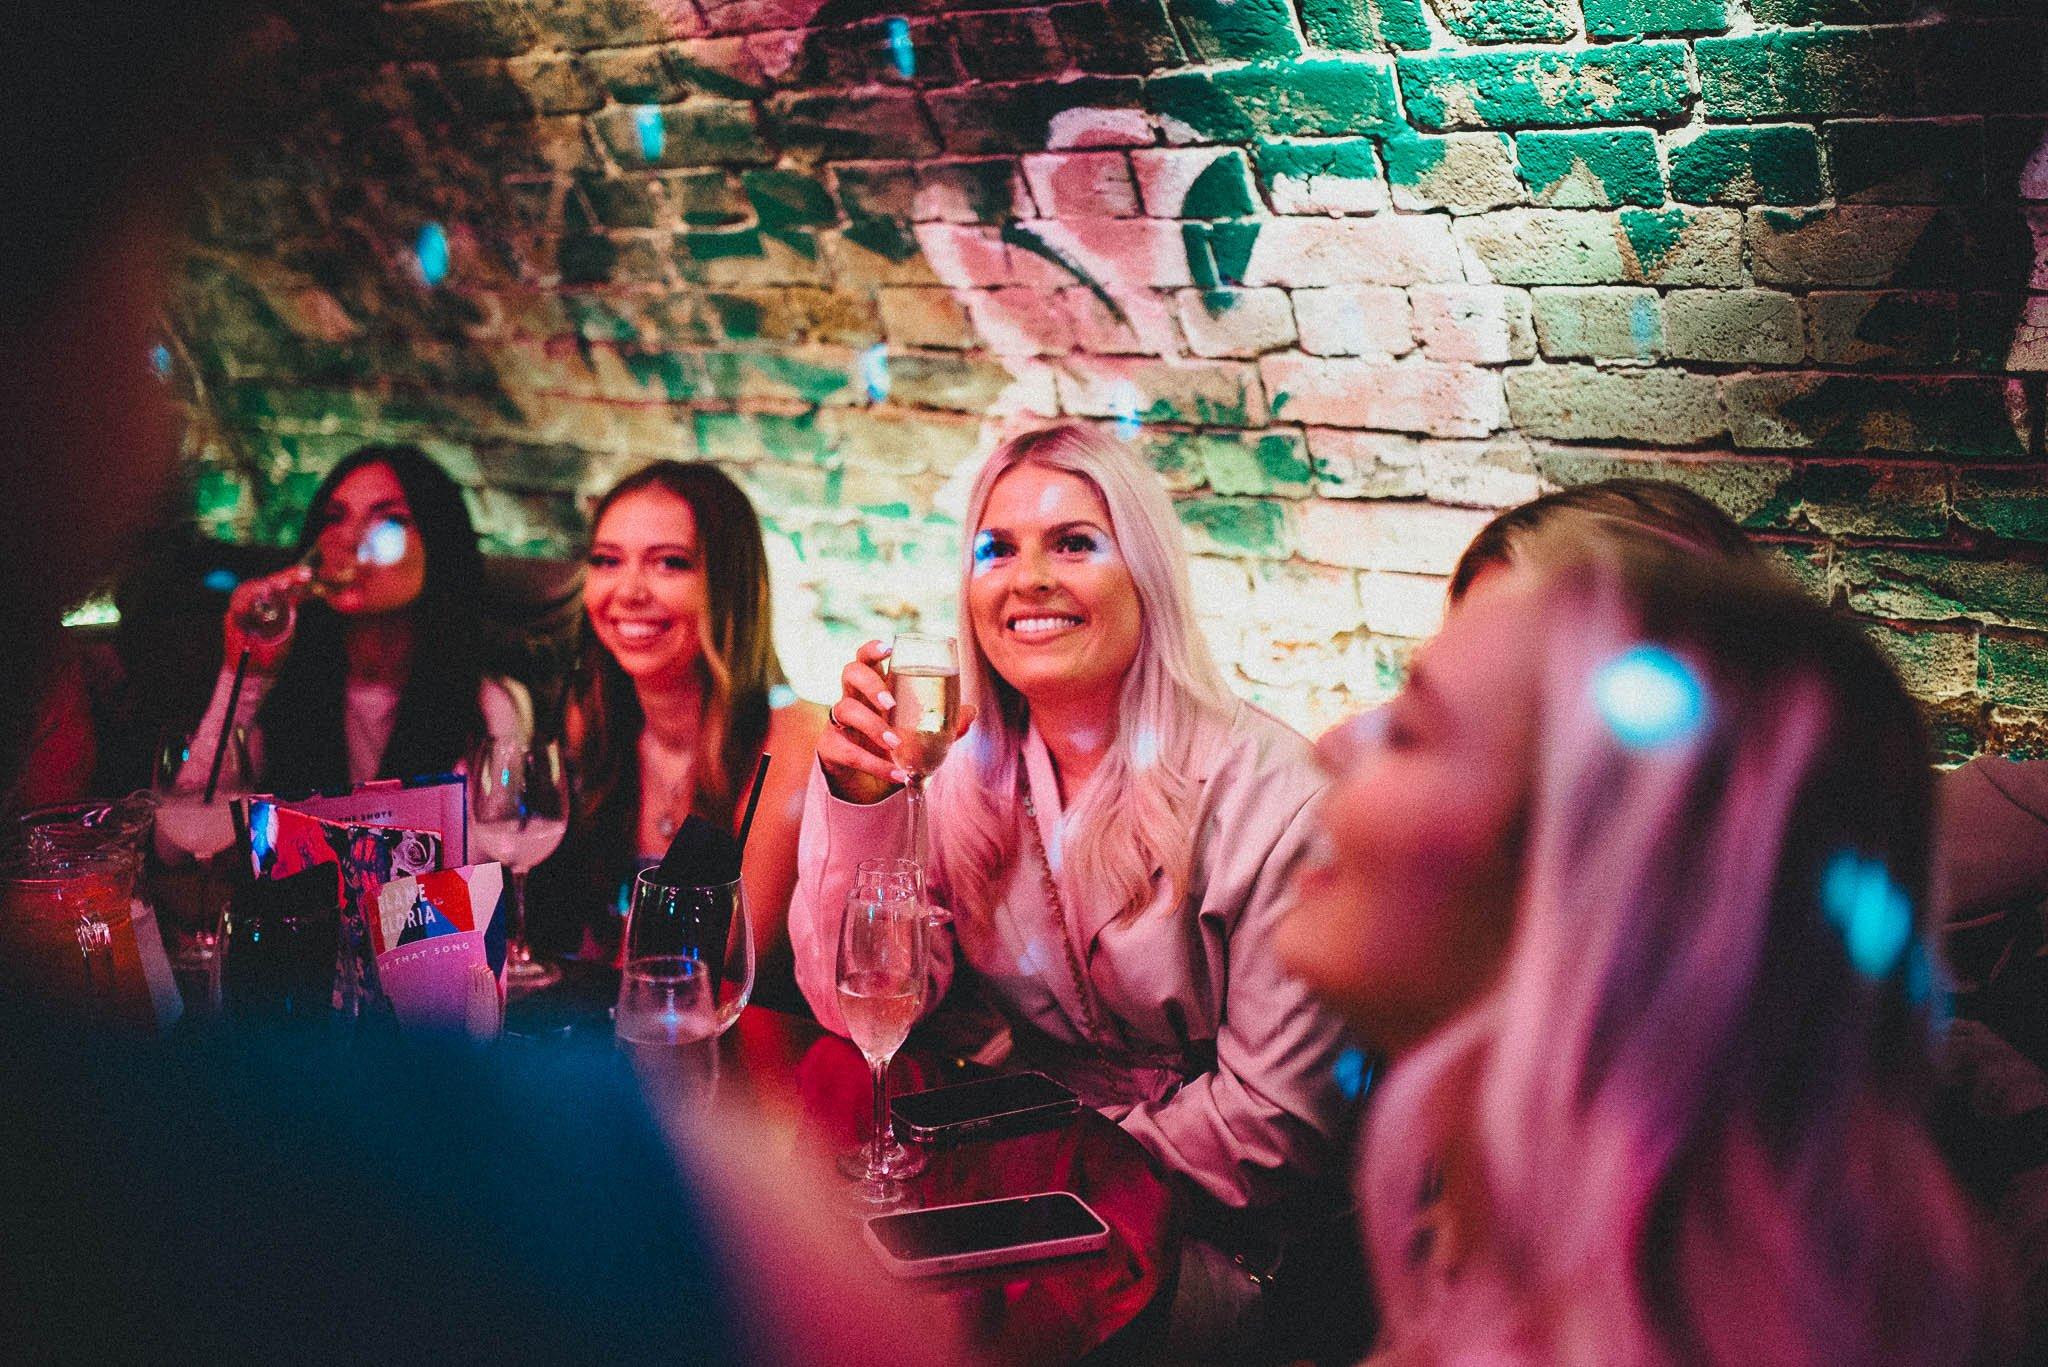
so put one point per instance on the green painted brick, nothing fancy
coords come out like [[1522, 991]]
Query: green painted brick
[[1933, 662], [1591, 170], [2014, 669], [1903, 501], [1276, 463], [1237, 30], [1810, 72], [1330, 97], [1538, 88], [1773, 164], [1223, 190], [1935, 586], [1506, 21], [697, 132], [784, 199], [1345, 158], [1365, 25], [1633, 18], [2010, 503], [1239, 526]]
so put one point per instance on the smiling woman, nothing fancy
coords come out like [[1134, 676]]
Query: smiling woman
[[1113, 834], [678, 698]]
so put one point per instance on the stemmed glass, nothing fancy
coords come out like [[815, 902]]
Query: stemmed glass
[[190, 827], [924, 679], [882, 969], [518, 814], [899, 878]]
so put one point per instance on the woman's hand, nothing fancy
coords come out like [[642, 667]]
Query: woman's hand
[[265, 653], [857, 749]]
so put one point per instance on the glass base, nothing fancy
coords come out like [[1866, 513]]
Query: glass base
[[898, 1160], [880, 1193], [195, 950], [524, 973]]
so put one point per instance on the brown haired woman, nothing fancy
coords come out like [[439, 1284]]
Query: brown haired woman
[[680, 691]]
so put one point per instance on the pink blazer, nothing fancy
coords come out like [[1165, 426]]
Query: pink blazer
[[1265, 1123]]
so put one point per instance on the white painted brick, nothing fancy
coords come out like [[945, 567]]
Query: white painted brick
[[1081, 185], [1399, 396], [1328, 194], [1409, 605], [1408, 538], [1110, 386], [1099, 128], [1354, 320], [1387, 250], [1496, 472], [1310, 598], [1251, 323], [1482, 324]]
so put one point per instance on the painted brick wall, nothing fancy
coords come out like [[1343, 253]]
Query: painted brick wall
[[1355, 272]]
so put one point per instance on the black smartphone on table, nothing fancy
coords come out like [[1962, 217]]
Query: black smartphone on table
[[1010, 1229], [983, 1109]]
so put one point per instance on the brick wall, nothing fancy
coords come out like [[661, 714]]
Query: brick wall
[[1353, 271]]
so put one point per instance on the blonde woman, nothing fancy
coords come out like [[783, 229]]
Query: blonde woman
[[1633, 882], [1113, 836]]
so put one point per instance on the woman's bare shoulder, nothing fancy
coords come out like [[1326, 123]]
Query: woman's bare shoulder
[[795, 726]]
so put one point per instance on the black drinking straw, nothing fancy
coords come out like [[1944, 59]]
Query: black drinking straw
[[227, 726], [754, 799]]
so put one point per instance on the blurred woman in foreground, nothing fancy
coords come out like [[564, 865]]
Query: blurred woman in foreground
[[1632, 879]]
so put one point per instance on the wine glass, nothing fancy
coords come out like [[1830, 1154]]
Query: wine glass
[[881, 979], [924, 679], [272, 613], [907, 880], [689, 965], [518, 814], [195, 824]]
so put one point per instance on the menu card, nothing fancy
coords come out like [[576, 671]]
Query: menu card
[[433, 936]]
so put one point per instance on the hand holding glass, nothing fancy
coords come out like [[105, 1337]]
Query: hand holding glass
[[924, 682]]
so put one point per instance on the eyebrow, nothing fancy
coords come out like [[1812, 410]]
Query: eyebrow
[[1056, 530], [658, 548]]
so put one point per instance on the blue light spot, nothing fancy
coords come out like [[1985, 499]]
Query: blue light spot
[[1145, 749], [900, 50], [781, 695], [432, 252], [1354, 1072], [160, 361], [1919, 973], [1642, 325], [874, 372], [221, 581], [653, 131], [1871, 911], [1649, 698], [1124, 405], [384, 544]]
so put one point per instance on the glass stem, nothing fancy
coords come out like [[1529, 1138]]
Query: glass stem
[[517, 952], [917, 833], [880, 1069]]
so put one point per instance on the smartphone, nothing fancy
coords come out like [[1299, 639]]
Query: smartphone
[[982, 1109], [1012, 1229]]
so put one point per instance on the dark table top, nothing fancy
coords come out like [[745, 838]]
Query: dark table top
[[809, 1092]]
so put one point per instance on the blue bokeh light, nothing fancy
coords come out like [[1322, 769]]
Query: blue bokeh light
[[1354, 1073], [431, 251], [221, 581], [384, 544], [900, 50], [1124, 403], [1649, 698], [160, 361], [1863, 902], [653, 131], [874, 372]]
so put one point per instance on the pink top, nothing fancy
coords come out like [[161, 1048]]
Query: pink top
[[1180, 988]]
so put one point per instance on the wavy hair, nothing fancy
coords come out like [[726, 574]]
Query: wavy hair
[[1135, 817], [1687, 1121]]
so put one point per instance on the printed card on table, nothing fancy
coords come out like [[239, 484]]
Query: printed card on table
[[431, 933]]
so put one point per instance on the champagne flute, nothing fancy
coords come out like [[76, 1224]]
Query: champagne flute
[[881, 979], [272, 613], [518, 814], [924, 679], [897, 878], [190, 828]]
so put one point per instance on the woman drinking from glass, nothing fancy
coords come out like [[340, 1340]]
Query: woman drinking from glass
[[1632, 880], [379, 671], [680, 691], [1112, 837]]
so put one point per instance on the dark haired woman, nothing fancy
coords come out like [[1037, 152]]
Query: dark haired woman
[[680, 692], [383, 677]]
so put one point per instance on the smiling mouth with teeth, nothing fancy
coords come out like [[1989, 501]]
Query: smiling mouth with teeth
[[635, 633], [1042, 624]]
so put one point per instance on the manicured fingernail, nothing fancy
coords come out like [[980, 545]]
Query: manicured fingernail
[[898, 776], [885, 652], [891, 739], [887, 700]]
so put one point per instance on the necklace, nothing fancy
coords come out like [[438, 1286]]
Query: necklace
[[672, 803], [1091, 1023]]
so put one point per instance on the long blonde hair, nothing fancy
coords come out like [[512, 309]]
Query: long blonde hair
[[1136, 815], [1689, 1110]]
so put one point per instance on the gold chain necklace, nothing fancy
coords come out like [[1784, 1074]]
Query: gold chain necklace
[[1091, 1023]]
